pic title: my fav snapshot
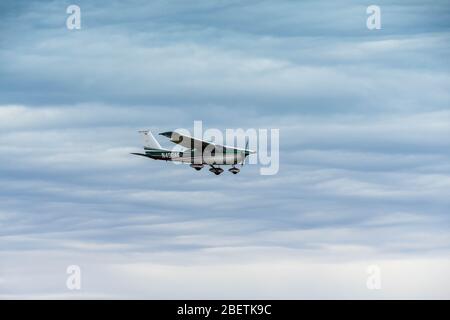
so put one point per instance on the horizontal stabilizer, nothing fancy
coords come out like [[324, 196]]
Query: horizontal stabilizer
[[139, 154]]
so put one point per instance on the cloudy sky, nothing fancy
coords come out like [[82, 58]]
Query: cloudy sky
[[364, 119]]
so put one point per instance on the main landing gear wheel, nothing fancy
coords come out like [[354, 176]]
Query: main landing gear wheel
[[234, 170], [215, 170], [196, 166]]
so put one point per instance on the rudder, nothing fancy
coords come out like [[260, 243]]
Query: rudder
[[149, 140]]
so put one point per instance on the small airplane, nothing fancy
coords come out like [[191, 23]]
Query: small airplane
[[198, 153]]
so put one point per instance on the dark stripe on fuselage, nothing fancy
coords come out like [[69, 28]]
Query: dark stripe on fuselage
[[191, 156]]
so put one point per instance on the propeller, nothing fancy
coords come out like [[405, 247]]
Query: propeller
[[245, 152]]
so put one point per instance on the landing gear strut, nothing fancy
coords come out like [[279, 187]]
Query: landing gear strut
[[216, 170]]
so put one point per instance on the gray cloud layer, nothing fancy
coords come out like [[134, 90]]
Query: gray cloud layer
[[364, 177]]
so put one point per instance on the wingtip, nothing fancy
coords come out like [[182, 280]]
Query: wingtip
[[167, 134]]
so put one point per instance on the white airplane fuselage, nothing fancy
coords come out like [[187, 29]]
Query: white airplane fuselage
[[220, 159]]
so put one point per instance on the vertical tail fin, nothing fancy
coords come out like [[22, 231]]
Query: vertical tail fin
[[149, 140]]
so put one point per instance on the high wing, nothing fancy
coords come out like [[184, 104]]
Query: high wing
[[186, 141], [193, 143]]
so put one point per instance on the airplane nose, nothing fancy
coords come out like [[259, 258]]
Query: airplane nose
[[248, 152]]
